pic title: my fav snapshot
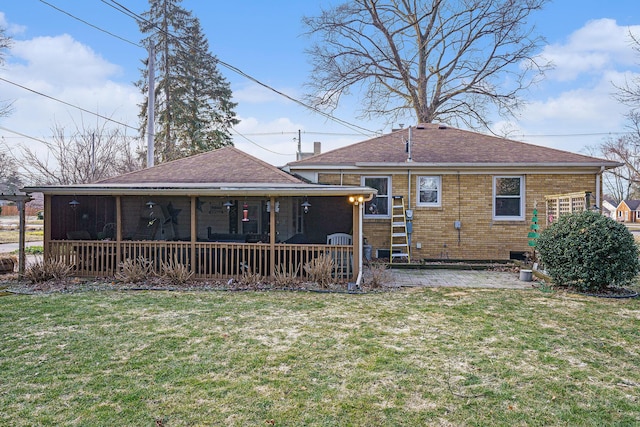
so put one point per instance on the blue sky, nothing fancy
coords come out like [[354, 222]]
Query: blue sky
[[69, 60]]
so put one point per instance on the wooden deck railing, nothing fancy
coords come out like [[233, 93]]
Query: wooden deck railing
[[209, 260]]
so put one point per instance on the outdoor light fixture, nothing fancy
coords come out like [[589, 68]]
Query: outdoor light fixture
[[227, 205], [356, 200], [74, 204], [306, 205], [150, 204]]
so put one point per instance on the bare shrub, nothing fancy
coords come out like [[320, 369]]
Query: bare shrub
[[175, 272], [377, 276], [249, 280], [8, 263], [135, 270], [319, 270], [286, 276], [43, 270]]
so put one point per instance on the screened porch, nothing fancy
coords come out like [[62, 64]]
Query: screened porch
[[217, 237]]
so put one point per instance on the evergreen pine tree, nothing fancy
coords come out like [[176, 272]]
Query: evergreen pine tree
[[203, 122], [193, 108]]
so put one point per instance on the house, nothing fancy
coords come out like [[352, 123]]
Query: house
[[223, 213], [466, 195], [628, 211], [608, 208]]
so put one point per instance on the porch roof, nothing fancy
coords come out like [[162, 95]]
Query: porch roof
[[223, 172]]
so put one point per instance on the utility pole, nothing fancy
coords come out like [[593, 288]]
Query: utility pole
[[150, 107], [299, 153], [93, 156]]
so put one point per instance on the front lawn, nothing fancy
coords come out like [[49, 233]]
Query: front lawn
[[437, 356]]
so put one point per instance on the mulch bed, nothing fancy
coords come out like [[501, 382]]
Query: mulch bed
[[75, 285], [612, 292]]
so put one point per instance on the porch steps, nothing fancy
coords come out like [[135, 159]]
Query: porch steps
[[399, 239]]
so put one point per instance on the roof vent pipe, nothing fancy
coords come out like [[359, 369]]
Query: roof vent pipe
[[409, 147]]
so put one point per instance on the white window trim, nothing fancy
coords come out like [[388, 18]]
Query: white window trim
[[521, 217], [438, 203], [389, 195]]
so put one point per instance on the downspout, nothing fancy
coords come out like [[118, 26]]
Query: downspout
[[409, 212], [598, 187], [410, 217], [360, 256], [360, 248]]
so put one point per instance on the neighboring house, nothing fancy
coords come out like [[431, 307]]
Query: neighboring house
[[628, 211], [472, 195], [224, 213], [609, 209]]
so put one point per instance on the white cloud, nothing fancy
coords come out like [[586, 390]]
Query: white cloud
[[61, 68], [11, 29], [60, 59], [599, 45], [575, 107]]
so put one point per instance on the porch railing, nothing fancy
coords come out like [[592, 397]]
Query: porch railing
[[209, 260]]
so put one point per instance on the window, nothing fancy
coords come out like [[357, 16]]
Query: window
[[429, 190], [379, 205], [508, 197]]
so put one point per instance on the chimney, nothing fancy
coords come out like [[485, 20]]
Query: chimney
[[316, 147]]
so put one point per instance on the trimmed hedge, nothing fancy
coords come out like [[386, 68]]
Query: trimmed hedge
[[589, 252]]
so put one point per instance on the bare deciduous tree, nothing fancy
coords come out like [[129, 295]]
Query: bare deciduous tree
[[629, 92], [85, 156], [9, 179], [5, 43], [622, 183], [434, 60]]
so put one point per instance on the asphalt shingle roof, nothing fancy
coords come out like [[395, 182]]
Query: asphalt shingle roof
[[437, 144], [633, 204], [224, 165]]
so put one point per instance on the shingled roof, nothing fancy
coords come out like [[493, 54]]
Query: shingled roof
[[437, 144], [224, 165], [226, 171], [632, 204]]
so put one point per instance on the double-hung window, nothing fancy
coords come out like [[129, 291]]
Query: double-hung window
[[508, 198], [379, 205], [429, 191]]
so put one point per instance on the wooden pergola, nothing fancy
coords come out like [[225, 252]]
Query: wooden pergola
[[20, 199]]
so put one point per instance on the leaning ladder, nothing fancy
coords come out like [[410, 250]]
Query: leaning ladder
[[399, 237]]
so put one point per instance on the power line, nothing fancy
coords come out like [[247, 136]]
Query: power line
[[122, 9], [69, 104], [23, 135], [90, 24], [117, 6], [571, 135], [260, 146]]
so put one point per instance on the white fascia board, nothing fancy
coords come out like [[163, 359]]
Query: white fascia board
[[229, 189]]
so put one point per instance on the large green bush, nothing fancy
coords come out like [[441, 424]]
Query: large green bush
[[589, 252]]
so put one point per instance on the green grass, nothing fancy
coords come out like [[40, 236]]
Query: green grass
[[418, 357], [31, 250]]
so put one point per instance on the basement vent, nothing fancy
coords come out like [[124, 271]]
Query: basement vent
[[384, 253]]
